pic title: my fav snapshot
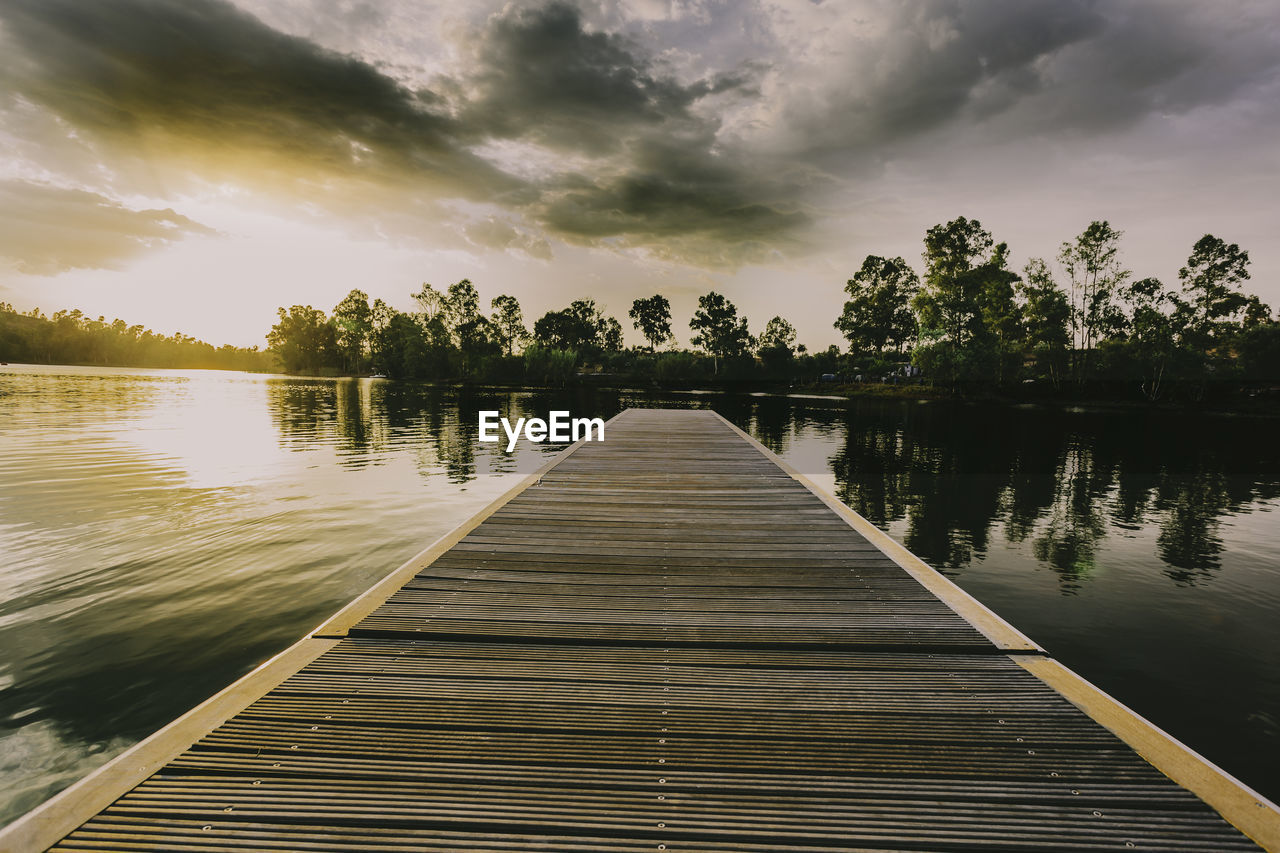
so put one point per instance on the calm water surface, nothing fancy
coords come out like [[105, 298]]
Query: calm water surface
[[164, 532]]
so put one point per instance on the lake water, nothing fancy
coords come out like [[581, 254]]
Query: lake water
[[164, 532]]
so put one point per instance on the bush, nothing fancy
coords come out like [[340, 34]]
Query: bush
[[551, 367]]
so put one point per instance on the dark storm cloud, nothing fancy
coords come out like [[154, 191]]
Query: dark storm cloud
[[542, 76], [205, 74], [672, 193], [627, 152], [941, 57], [1067, 66], [208, 76], [49, 229], [657, 180]]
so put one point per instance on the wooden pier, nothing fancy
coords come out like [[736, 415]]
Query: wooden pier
[[666, 641]]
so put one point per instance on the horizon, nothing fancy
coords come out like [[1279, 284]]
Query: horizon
[[192, 167]]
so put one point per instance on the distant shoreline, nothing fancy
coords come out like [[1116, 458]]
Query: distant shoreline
[[1263, 404]]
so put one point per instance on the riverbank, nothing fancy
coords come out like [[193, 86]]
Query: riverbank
[[1258, 402]]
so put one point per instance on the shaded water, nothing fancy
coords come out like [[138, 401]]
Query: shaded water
[[163, 532]]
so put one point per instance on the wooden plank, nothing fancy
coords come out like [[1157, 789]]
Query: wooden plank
[[668, 641], [454, 745]]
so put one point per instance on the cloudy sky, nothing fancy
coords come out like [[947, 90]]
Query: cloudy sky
[[193, 164]]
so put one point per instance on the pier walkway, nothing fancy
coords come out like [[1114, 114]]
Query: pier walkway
[[666, 641]]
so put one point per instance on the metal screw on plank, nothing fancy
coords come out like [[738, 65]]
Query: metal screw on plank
[[206, 827]]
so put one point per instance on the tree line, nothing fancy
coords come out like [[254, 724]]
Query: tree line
[[967, 322], [72, 337], [450, 337], [970, 320]]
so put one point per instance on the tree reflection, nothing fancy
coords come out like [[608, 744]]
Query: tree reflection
[[1074, 522], [951, 477], [1059, 481]]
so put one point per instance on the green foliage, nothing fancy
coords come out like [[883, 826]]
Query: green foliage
[[1096, 277], [582, 328], [461, 308], [565, 330], [508, 323], [776, 347], [652, 317], [549, 366], [71, 337], [609, 335], [718, 329], [1259, 348], [677, 368], [353, 324], [1153, 332], [970, 323], [1045, 315], [1211, 283], [304, 340], [878, 314], [778, 334]]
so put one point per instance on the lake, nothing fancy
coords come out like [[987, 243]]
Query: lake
[[163, 532]]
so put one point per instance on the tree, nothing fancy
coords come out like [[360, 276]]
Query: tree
[[1002, 320], [1153, 331], [968, 318], [381, 317], [718, 330], [1092, 263], [461, 309], [652, 317], [1046, 314], [303, 339], [609, 334], [565, 330], [778, 334], [776, 344], [508, 323], [878, 314], [353, 323], [1214, 308], [1211, 284], [430, 301], [582, 328]]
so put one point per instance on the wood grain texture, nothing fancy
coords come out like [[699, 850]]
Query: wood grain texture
[[665, 642]]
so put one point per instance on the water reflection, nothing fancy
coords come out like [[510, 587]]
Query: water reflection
[[165, 532], [956, 475], [1061, 483]]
